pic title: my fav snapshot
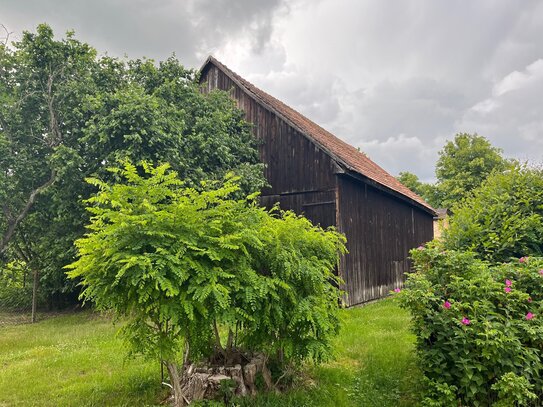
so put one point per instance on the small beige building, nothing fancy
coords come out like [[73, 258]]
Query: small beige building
[[441, 222]]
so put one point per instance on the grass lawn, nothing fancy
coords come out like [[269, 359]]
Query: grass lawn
[[76, 360]]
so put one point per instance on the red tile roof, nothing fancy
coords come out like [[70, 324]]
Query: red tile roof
[[342, 152]]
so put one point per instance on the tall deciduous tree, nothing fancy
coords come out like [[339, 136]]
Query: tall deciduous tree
[[66, 114], [427, 191], [464, 164]]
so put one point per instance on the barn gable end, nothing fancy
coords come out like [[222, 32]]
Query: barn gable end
[[313, 172]]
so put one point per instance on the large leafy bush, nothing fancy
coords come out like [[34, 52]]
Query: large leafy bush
[[502, 219], [479, 328], [181, 265]]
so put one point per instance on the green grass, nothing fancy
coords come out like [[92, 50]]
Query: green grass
[[72, 360], [76, 360]]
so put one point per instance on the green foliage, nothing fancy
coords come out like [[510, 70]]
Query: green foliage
[[427, 191], [514, 390], [503, 218], [479, 327], [178, 262], [67, 114], [463, 165], [16, 287]]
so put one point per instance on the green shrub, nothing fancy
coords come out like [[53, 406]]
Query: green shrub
[[181, 264], [502, 219], [479, 327]]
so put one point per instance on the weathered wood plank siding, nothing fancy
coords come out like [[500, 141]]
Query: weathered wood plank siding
[[380, 231], [319, 207], [301, 175], [381, 226]]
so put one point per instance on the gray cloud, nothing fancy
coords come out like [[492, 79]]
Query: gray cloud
[[218, 19], [402, 77], [513, 113], [154, 29], [394, 78]]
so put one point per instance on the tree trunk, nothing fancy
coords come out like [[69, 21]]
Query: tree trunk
[[175, 381], [230, 341], [35, 294], [218, 344]]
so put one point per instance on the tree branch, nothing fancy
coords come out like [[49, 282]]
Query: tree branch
[[14, 222], [5, 39], [56, 138]]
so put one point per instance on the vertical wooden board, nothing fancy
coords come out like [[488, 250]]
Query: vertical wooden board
[[380, 233], [318, 207], [380, 228], [293, 162]]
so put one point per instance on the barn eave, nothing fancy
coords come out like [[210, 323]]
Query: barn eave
[[342, 166]]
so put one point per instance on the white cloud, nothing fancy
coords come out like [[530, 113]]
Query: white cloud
[[485, 106], [513, 114], [517, 80]]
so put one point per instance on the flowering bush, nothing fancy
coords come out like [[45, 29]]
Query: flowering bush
[[479, 328]]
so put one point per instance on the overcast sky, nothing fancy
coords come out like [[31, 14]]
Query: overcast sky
[[395, 78]]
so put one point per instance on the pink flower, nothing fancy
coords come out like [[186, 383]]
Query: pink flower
[[523, 259], [508, 283], [446, 305], [541, 272], [507, 289], [529, 316], [466, 321], [420, 248], [397, 290], [529, 299]]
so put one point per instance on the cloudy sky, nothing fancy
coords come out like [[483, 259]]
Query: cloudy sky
[[395, 78]]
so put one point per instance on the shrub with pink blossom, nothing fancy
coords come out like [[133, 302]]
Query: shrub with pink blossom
[[479, 328]]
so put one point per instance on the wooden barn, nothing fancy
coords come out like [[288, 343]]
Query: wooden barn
[[314, 173]]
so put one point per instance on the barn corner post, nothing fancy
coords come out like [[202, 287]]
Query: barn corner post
[[332, 183]]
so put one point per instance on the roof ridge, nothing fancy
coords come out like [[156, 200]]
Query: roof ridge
[[340, 150]]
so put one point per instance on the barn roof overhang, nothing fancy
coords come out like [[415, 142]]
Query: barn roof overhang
[[363, 179], [343, 165]]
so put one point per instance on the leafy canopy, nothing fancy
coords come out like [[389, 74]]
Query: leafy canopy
[[179, 262], [67, 114], [427, 191], [503, 218], [464, 164]]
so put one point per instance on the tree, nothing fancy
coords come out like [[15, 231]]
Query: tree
[[67, 114], [426, 191], [464, 164], [42, 81], [502, 219], [180, 265]]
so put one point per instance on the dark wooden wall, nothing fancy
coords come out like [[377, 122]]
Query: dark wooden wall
[[380, 231], [380, 228], [300, 174]]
